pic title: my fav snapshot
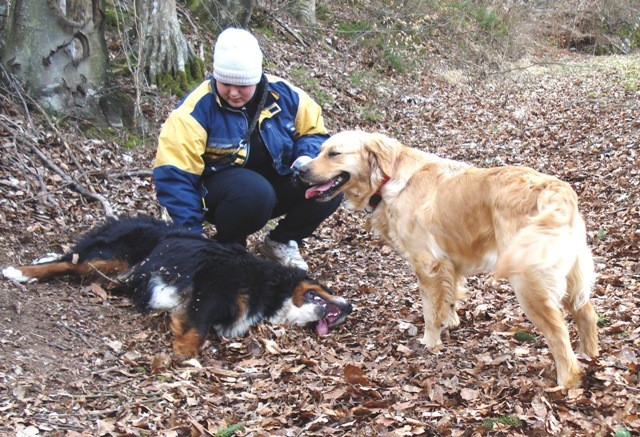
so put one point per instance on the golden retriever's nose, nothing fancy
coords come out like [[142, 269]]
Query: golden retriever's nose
[[303, 170]]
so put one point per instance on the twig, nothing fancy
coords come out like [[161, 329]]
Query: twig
[[188, 18], [85, 396], [16, 129], [108, 370], [288, 29], [19, 94], [58, 134], [78, 333], [131, 173], [351, 46], [61, 187], [44, 193], [107, 278], [77, 186], [42, 111], [104, 413], [82, 190], [41, 419], [60, 346]]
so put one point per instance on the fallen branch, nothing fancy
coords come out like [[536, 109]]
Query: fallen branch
[[289, 30], [76, 185], [131, 173], [59, 134], [20, 135]]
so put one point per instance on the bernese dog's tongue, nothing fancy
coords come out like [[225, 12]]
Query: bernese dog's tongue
[[322, 328], [315, 190]]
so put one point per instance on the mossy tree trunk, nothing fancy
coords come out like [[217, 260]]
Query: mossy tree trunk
[[166, 56], [56, 51]]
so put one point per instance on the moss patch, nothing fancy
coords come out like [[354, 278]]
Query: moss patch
[[182, 81]]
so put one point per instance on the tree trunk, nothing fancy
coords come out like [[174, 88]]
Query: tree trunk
[[226, 13], [304, 11], [56, 50], [164, 51]]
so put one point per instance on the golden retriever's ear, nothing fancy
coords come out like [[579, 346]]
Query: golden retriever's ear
[[384, 151]]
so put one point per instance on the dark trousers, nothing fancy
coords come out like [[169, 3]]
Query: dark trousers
[[240, 201]]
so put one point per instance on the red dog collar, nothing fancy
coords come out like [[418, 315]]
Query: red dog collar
[[375, 200]]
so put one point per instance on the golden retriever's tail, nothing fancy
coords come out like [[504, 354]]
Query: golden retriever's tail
[[554, 242]]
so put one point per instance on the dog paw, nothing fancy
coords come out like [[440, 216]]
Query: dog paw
[[452, 321], [47, 258], [431, 345], [435, 350], [569, 381], [193, 362], [15, 275]]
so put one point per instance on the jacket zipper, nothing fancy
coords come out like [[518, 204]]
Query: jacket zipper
[[243, 111]]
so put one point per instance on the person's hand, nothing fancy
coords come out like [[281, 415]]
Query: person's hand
[[299, 162]]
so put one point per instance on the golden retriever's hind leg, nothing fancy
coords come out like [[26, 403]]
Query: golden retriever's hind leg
[[437, 283], [534, 297], [579, 284], [587, 322]]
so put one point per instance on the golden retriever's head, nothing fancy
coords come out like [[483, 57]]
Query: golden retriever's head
[[352, 162]]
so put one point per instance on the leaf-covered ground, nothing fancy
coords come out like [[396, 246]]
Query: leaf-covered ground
[[75, 360]]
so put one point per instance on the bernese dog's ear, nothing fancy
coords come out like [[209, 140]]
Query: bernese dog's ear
[[314, 281]]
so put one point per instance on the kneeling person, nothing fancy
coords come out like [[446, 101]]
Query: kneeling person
[[226, 154]]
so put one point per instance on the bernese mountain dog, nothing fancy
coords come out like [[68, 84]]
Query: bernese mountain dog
[[203, 284]]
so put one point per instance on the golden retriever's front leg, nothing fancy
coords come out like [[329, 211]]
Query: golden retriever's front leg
[[439, 291], [432, 326]]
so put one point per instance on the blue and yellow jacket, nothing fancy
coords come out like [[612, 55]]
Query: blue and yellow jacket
[[201, 136]]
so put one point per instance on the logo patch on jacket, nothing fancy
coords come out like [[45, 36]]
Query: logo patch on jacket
[[218, 156]]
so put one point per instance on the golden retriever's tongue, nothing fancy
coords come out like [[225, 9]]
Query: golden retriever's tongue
[[322, 328], [314, 191]]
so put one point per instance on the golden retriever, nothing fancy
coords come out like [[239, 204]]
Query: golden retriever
[[451, 220]]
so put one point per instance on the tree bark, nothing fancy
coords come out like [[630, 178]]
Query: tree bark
[[56, 51], [304, 11], [226, 13], [164, 49]]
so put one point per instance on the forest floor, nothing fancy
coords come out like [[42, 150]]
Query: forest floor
[[75, 360]]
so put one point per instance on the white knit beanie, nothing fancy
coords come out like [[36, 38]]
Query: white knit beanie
[[237, 58]]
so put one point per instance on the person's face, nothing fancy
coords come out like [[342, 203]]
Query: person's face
[[235, 95]]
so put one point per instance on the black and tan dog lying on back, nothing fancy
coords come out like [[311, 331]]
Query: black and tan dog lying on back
[[204, 285], [451, 220]]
